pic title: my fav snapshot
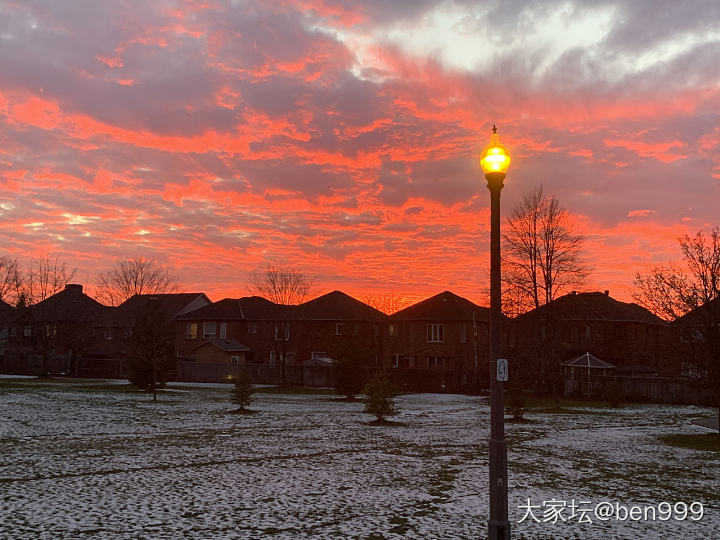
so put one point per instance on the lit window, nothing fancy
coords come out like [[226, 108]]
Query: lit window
[[191, 330], [209, 330], [435, 332]]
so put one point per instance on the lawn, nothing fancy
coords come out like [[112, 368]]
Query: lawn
[[95, 459]]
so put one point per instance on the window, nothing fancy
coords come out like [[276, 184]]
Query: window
[[392, 330], [339, 329], [252, 328], [127, 332], [191, 331], [289, 357], [107, 333], [356, 330], [13, 331], [435, 332], [273, 357], [209, 330], [463, 333], [376, 330], [180, 353], [234, 359], [396, 361], [223, 330], [27, 330], [436, 362], [282, 331], [317, 354]]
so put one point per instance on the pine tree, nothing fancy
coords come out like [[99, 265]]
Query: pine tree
[[243, 391], [379, 394]]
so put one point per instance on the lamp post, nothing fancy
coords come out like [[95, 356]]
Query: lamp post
[[494, 161]]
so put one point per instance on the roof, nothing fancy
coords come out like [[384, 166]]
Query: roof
[[251, 308], [587, 360], [592, 306], [338, 306], [227, 345], [171, 305], [696, 317], [445, 306], [7, 312], [68, 305]]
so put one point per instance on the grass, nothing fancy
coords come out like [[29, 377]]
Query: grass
[[707, 442], [295, 390]]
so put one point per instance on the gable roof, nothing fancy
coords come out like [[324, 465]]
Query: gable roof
[[251, 308], [338, 306], [592, 306], [227, 345], [587, 360], [445, 306], [696, 317], [68, 305], [171, 305], [7, 312]]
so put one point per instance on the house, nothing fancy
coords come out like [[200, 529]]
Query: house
[[64, 326], [697, 339], [7, 313], [118, 322], [619, 332], [283, 337], [441, 343]]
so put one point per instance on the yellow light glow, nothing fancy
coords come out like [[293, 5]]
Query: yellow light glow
[[495, 157]]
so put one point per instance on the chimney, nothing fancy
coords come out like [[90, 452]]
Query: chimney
[[607, 293], [73, 287], [573, 293]]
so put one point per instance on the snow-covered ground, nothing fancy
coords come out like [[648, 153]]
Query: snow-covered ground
[[97, 461]]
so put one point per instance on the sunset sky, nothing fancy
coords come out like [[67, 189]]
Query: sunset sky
[[343, 137]]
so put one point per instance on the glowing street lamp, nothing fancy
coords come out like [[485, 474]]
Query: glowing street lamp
[[495, 161]]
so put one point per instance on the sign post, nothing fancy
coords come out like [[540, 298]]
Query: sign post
[[502, 369]]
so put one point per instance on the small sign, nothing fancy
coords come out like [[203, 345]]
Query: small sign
[[502, 369]]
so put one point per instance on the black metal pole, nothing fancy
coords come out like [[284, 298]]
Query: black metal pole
[[498, 525]]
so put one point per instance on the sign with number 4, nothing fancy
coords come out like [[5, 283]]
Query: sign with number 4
[[502, 369]]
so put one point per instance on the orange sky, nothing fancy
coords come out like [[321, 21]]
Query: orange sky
[[344, 140]]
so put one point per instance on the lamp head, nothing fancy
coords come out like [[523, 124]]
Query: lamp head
[[495, 158]]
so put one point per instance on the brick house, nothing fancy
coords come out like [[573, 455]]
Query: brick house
[[64, 324], [623, 334], [444, 332], [7, 313], [118, 322], [690, 337], [286, 336]]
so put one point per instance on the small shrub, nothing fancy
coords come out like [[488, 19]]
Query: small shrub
[[243, 391], [379, 394]]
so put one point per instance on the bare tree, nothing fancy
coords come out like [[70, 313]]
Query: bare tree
[[46, 277], [388, 303], [670, 291], [10, 280], [283, 285], [136, 275], [541, 252]]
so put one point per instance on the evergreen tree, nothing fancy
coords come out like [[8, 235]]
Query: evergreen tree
[[349, 373], [379, 394], [152, 348], [242, 393]]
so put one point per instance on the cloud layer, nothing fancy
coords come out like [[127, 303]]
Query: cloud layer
[[344, 140]]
